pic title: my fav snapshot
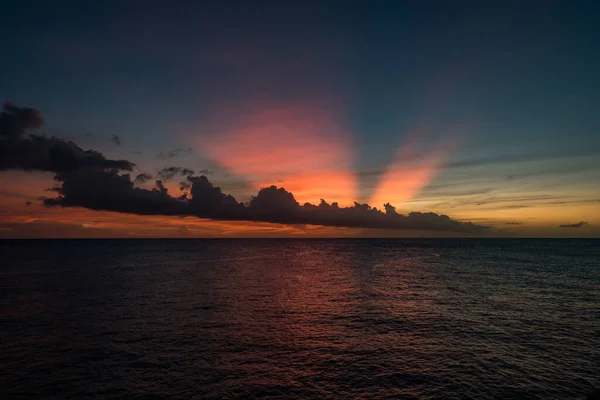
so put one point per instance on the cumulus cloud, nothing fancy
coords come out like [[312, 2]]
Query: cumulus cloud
[[107, 189], [110, 191], [90, 180], [577, 225]]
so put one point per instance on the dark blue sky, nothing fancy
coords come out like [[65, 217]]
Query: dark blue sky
[[513, 67], [512, 87]]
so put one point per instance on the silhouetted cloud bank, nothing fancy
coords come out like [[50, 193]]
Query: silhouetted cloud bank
[[88, 179], [40, 153], [577, 225], [108, 190]]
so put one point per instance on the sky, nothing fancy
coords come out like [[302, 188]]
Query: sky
[[484, 112]]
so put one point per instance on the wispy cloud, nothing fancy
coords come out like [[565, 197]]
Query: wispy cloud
[[507, 159], [116, 140], [164, 155], [527, 157], [577, 225]]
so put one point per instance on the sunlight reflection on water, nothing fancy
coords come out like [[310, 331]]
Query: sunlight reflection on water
[[423, 319]]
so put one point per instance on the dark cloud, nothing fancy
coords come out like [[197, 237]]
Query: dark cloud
[[15, 120], [577, 225], [101, 189], [28, 203], [160, 187], [514, 223], [88, 179], [169, 173], [142, 178], [40, 153], [116, 140]]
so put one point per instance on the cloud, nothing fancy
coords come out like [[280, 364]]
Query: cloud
[[88, 179], [169, 154], [161, 187], [514, 223], [52, 229], [108, 190], [516, 158], [173, 153], [28, 203], [169, 173], [116, 140], [577, 225], [39, 153], [15, 120], [505, 159], [142, 178]]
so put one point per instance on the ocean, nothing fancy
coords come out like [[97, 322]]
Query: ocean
[[300, 319]]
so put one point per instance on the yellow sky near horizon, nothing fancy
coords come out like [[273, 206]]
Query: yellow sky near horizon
[[17, 219]]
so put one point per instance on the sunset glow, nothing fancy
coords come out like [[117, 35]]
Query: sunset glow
[[300, 148], [414, 165], [402, 109]]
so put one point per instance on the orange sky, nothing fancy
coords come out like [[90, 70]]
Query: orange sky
[[304, 149], [298, 147], [20, 220]]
